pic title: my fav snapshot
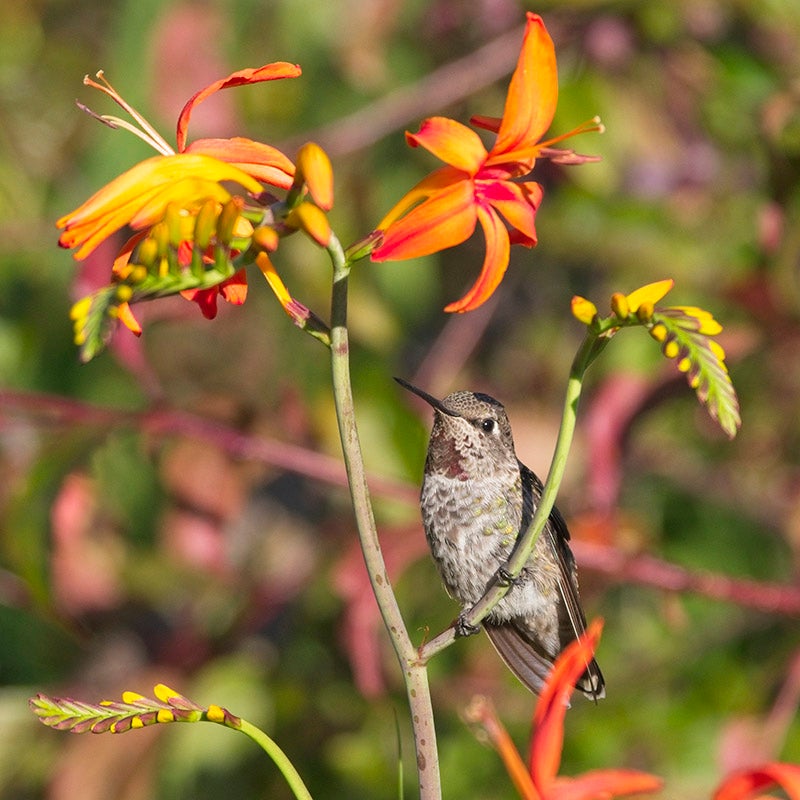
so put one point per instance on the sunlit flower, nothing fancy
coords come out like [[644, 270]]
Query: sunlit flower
[[479, 185], [189, 175], [194, 209], [539, 780]]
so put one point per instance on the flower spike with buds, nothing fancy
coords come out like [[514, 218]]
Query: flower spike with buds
[[684, 333]]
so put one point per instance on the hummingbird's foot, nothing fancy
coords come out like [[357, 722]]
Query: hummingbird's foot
[[505, 578], [464, 628]]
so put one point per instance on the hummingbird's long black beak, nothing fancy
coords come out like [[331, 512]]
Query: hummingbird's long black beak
[[428, 398]]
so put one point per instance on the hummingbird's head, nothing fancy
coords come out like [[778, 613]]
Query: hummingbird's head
[[471, 434]]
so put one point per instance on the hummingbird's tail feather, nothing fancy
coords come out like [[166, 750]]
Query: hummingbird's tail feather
[[532, 666]]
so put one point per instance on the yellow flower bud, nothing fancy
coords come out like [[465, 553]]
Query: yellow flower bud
[[265, 238], [645, 311], [619, 305], [671, 348], [312, 220], [314, 169], [227, 219], [583, 310], [205, 223]]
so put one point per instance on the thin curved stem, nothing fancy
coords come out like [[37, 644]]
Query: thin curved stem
[[414, 672], [280, 758]]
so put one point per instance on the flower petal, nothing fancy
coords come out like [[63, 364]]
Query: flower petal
[[125, 316], [452, 142], [269, 72], [532, 93], [445, 219], [234, 290], [603, 784], [150, 181], [548, 718], [261, 161], [495, 262], [518, 203], [651, 293], [316, 172], [741, 785]]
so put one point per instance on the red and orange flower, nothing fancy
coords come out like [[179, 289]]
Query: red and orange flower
[[483, 186], [539, 780]]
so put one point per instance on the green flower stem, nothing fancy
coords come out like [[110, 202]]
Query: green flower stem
[[590, 348], [414, 672], [279, 757]]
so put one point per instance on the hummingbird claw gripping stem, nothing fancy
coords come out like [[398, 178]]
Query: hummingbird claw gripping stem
[[464, 628]]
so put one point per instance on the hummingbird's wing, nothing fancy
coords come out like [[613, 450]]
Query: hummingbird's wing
[[521, 654], [517, 642]]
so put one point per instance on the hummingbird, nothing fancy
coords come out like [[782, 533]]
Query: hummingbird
[[477, 497]]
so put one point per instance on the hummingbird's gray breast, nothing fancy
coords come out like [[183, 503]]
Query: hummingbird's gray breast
[[471, 525]]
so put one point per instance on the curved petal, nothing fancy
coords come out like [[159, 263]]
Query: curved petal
[[741, 785], [606, 783], [548, 718], [428, 186], [315, 169], [452, 142], [185, 192], [518, 204], [533, 92], [445, 219], [234, 290], [269, 72], [261, 161], [494, 263], [651, 293], [150, 184]]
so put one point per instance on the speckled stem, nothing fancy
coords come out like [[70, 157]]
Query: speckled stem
[[414, 672]]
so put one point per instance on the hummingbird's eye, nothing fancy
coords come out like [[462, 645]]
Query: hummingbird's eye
[[488, 425]]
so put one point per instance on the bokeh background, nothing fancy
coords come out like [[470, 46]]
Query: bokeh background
[[174, 511]]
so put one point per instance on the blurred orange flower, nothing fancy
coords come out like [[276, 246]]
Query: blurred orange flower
[[540, 781], [479, 186]]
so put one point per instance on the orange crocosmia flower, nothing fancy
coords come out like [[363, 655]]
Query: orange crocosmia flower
[[479, 185], [548, 736], [188, 175], [539, 780]]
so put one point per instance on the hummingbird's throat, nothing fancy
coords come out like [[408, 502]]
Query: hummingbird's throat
[[445, 458]]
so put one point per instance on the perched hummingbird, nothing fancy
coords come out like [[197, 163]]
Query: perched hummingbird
[[477, 497]]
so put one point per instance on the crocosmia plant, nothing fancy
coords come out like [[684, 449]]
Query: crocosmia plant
[[202, 218]]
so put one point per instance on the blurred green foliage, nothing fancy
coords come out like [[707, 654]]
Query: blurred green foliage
[[132, 554]]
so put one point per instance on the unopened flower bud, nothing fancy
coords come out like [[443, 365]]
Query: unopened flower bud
[[619, 305], [645, 311], [227, 219], [312, 220], [147, 253], [314, 169], [205, 223], [265, 238]]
